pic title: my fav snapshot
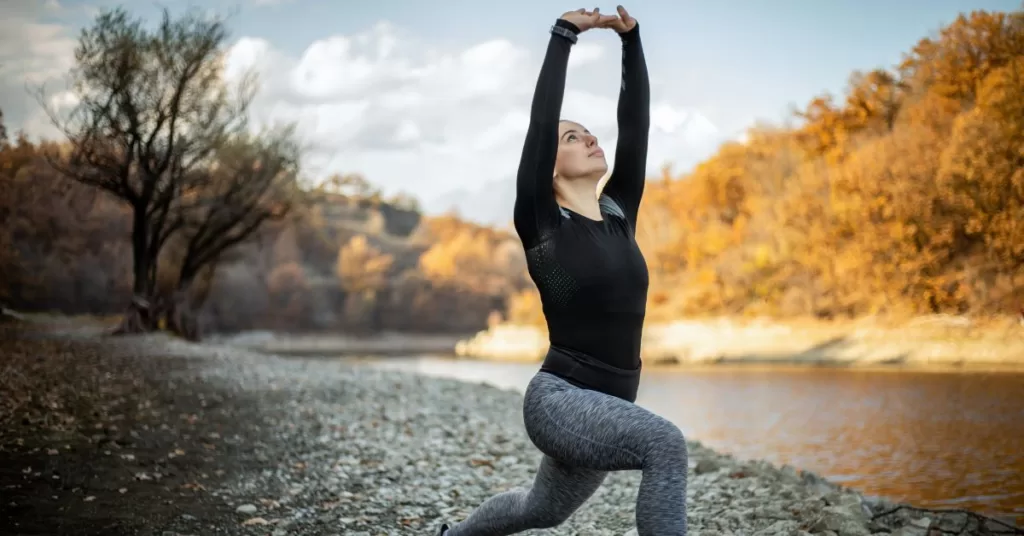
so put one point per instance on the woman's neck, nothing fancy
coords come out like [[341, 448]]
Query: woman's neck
[[579, 196]]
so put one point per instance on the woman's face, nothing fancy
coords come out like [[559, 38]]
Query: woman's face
[[579, 155]]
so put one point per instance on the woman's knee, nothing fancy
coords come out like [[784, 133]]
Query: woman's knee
[[669, 441]]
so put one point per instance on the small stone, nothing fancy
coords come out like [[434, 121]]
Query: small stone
[[922, 523], [909, 530], [246, 509], [706, 466]]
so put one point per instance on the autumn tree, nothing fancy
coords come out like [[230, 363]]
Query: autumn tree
[[362, 271], [153, 109], [50, 224], [982, 181], [9, 265], [287, 288], [873, 101], [952, 64], [473, 260]]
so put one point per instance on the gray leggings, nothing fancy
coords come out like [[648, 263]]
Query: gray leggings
[[583, 435]]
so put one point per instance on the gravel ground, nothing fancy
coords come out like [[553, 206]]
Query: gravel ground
[[149, 435]]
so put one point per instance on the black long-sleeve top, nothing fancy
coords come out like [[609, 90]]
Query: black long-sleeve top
[[591, 274]]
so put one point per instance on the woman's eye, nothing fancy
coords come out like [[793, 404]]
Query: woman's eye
[[572, 137]]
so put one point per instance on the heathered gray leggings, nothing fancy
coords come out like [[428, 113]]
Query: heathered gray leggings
[[584, 434]]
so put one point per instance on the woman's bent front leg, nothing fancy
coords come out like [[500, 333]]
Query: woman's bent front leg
[[592, 430]]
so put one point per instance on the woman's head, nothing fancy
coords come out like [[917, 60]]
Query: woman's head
[[579, 155]]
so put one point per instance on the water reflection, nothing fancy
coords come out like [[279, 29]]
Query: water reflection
[[931, 439]]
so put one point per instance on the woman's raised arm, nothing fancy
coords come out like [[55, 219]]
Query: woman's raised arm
[[536, 211], [626, 184]]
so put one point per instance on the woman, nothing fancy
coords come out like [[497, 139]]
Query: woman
[[582, 254]]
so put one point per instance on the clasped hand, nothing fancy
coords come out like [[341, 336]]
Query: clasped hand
[[585, 20]]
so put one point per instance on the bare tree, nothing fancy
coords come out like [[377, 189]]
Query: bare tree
[[152, 109]]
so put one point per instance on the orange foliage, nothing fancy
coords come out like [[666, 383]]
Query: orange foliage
[[903, 197]]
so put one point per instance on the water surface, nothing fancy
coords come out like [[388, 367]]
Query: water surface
[[933, 439]]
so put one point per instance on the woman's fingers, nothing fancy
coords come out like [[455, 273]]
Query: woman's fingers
[[628, 22], [608, 21]]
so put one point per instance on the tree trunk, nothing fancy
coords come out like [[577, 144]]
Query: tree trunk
[[140, 316], [180, 310], [181, 317]]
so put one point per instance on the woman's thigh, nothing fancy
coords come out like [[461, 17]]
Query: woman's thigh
[[590, 429]]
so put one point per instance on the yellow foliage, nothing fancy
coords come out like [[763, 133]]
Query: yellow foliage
[[362, 268]]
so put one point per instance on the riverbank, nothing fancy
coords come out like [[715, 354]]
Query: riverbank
[[378, 344], [938, 341], [152, 435]]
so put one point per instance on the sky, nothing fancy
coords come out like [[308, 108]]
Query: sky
[[432, 98]]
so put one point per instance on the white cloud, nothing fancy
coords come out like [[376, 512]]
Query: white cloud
[[440, 124], [32, 52], [584, 53]]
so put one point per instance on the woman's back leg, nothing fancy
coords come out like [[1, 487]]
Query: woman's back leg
[[558, 490]]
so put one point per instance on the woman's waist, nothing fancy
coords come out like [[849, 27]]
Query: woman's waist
[[591, 372], [612, 339], [623, 366]]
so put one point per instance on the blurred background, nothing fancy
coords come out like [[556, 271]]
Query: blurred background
[[832, 217]]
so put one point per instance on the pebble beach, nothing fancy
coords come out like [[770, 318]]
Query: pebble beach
[[152, 435]]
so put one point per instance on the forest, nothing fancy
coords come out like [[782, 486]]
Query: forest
[[903, 196]]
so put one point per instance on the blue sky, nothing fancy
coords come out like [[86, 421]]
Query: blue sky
[[734, 60], [716, 67]]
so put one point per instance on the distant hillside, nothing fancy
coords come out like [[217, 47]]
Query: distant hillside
[[343, 262]]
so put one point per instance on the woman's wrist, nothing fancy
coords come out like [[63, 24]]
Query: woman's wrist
[[565, 29], [631, 34]]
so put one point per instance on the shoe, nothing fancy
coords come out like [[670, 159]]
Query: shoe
[[444, 529]]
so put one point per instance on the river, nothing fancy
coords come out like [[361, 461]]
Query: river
[[932, 439]]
